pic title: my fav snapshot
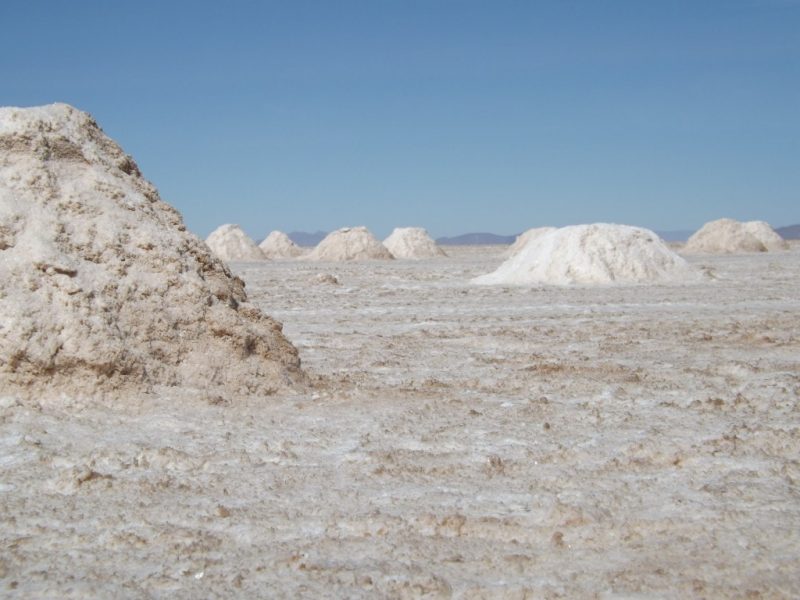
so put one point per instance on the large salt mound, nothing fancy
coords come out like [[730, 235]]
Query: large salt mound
[[101, 286], [413, 243], [350, 243], [592, 254], [278, 245], [726, 236], [230, 243], [523, 239]]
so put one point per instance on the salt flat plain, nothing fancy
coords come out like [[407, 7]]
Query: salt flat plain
[[458, 441]]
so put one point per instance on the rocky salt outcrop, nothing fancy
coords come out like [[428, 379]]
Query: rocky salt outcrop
[[412, 243], [727, 236], [350, 243], [230, 243], [278, 245], [102, 288], [599, 253]]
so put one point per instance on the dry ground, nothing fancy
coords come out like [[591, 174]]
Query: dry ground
[[459, 441]]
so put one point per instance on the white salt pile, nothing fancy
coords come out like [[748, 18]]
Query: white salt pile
[[230, 243], [412, 243], [350, 243], [524, 238], [278, 245], [593, 254], [102, 288], [726, 236]]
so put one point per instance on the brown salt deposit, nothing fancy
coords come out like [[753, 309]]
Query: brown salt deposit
[[727, 236], [101, 286]]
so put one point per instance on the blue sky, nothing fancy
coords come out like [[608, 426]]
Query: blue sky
[[453, 115]]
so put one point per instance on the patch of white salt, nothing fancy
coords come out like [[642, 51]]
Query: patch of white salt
[[599, 253], [278, 245], [524, 238], [230, 243], [412, 243], [350, 243]]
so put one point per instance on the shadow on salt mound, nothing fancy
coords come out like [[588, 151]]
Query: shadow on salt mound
[[278, 245], [593, 254], [727, 236], [349, 243], [230, 243], [412, 243]]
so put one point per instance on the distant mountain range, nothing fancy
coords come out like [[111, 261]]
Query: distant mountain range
[[675, 235], [790, 232], [486, 239], [476, 239], [301, 238]]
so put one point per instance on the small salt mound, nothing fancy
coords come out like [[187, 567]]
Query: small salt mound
[[230, 243], [524, 238], [726, 236], [278, 245], [592, 254], [412, 243], [102, 289], [350, 243], [325, 279]]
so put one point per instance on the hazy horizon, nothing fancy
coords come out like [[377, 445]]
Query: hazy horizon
[[454, 116]]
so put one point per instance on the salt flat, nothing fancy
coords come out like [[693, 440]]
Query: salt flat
[[459, 441]]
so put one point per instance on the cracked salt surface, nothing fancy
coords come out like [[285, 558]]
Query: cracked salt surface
[[458, 441]]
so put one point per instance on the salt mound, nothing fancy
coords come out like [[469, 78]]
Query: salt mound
[[592, 254], [229, 242], [524, 238], [101, 286], [325, 278], [278, 245], [413, 243], [726, 236], [350, 243]]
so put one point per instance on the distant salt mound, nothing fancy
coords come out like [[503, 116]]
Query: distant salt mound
[[350, 243], [726, 236], [278, 245], [592, 254], [412, 243], [523, 239], [102, 289], [230, 243]]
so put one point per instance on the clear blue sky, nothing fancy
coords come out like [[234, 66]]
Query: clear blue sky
[[453, 115]]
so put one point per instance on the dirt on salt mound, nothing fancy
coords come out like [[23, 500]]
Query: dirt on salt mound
[[230, 243], [350, 243], [278, 245], [412, 243], [593, 254], [524, 238], [727, 236], [102, 289]]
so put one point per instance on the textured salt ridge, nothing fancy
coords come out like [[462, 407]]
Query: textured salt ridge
[[593, 254], [727, 236], [101, 286], [230, 243], [278, 245], [412, 243], [350, 243]]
